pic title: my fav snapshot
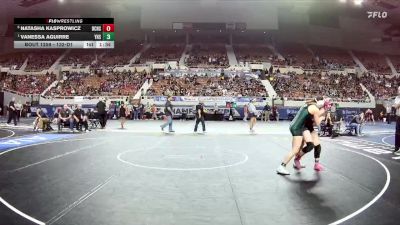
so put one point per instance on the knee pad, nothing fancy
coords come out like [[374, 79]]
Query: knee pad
[[309, 147], [317, 151]]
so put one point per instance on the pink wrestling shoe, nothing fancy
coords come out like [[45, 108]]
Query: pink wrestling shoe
[[318, 167], [297, 164]]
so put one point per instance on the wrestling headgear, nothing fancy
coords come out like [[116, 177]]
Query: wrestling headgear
[[325, 103]]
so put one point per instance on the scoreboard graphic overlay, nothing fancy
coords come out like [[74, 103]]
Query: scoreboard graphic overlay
[[64, 33]]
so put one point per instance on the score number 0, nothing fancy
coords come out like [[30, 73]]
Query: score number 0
[[108, 27], [108, 32]]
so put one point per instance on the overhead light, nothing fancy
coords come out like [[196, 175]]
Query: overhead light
[[343, 1], [358, 2]]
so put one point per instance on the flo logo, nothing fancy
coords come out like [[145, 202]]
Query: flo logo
[[378, 15]]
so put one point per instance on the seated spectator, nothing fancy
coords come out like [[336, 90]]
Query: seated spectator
[[13, 60], [208, 86], [65, 117], [308, 85], [42, 60], [296, 55], [207, 56], [111, 83], [333, 58], [162, 53], [28, 84], [79, 57], [253, 53], [119, 56], [374, 62], [80, 119]]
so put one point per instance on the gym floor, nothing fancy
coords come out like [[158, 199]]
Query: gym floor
[[141, 176]]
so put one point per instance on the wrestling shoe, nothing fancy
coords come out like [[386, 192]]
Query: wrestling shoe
[[297, 164], [318, 167], [282, 170]]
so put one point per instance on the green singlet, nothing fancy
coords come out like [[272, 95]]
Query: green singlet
[[297, 126]]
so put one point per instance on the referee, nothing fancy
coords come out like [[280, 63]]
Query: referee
[[397, 136], [200, 117]]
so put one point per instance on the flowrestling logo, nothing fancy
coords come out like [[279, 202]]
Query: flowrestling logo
[[377, 15]]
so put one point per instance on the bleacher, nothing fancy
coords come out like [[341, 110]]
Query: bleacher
[[14, 60], [42, 60], [207, 86], [297, 55], [373, 62], [208, 56], [120, 55], [253, 53], [303, 86], [396, 62], [333, 58], [27, 84], [163, 53], [83, 57]]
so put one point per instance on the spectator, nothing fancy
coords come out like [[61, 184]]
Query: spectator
[[122, 114], [42, 120], [267, 112], [154, 112], [80, 119], [101, 110], [357, 122], [199, 115], [169, 113], [65, 117], [12, 114]]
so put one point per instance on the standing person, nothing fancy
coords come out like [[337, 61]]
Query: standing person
[[252, 114], [122, 114], [388, 112], [301, 134], [200, 117], [12, 113], [369, 116], [169, 113], [18, 108], [101, 110], [245, 112], [397, 135], [135, 111], [141, 111], [309, 125], [154, 112], [276, 113], [215, 108], [267, 112]]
